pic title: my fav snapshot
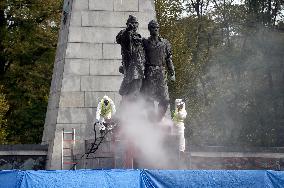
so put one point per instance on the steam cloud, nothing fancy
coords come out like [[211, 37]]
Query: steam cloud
[[149, 139], [241, 100]]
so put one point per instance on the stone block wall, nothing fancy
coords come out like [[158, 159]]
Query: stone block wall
[[86, 67], [236, 158], [23, 157]]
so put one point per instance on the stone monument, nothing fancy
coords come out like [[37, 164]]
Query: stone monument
[[86, 67]]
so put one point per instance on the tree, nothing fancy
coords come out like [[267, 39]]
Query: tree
[[29, 31], [4, 107], [239, 108], [229, 69]]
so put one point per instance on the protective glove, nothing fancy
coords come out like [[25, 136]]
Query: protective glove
[[102, 127]]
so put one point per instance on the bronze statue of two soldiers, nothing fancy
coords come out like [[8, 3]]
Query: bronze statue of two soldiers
[[146, 65]]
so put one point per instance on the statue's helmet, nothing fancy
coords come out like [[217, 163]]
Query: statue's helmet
[[153, 23], [132, 19]]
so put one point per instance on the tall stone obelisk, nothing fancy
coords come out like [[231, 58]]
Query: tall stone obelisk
[[86, 66]]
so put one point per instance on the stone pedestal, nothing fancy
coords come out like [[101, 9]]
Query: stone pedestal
[[86, 67], [118, 152]]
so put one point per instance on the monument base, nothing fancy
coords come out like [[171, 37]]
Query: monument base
[[119, 152]]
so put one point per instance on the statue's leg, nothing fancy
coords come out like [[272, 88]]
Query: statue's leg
[[162, 108], [150, 105], [163, 99], [134, 89]]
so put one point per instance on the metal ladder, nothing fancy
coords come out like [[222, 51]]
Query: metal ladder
[[67, 151]]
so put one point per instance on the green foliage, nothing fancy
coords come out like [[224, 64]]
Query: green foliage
[[27, 91], [169, 14], [29, 32], [243, 90], [229, 64], [4, 107]]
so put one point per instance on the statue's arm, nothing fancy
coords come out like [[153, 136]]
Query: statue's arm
[[169, 60], [144, 43], [119, 37], [124, 39]]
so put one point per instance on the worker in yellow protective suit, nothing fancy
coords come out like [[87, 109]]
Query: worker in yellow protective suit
[[178, 119], [105, 110]]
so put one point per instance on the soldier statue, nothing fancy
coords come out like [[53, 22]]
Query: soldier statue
[[133, 59], [158, 65]]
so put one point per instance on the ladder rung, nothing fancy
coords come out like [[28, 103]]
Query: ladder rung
[[69, 163], [68, 132], [69, 140], [67, 148], [67, 156], [100, 157]]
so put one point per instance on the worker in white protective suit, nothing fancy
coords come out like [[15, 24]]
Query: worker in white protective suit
[[178, 119], [105, 111]]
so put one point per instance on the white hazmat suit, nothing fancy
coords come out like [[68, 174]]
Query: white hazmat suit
[[179, 116]]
